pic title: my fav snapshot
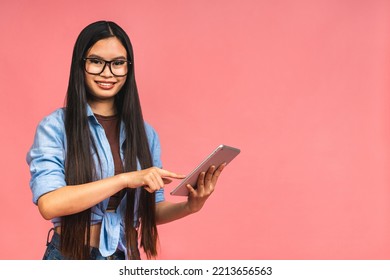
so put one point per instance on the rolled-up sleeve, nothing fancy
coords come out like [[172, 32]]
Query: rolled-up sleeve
[[46, 158]]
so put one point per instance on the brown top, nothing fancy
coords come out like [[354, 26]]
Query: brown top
[[111, 128]]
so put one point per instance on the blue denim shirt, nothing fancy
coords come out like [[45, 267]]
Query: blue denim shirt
[[46, 159]]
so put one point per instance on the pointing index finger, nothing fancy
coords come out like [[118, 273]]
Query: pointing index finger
[[166, 173]]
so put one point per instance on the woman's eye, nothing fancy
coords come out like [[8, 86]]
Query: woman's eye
[[118, 62], [95, 61]]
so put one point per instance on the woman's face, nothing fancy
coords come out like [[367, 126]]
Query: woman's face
[[104, 86]]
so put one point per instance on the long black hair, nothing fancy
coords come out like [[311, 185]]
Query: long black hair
[[79, 164]]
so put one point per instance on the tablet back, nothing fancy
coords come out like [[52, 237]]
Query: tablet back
[[221, 154]]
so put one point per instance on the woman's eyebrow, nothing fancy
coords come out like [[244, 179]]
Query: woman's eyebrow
[[99, 57]]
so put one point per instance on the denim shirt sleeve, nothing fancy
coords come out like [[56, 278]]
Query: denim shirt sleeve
[[155, 149], [47, 155]]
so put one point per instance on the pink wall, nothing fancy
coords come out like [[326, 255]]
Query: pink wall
[[302, 87]]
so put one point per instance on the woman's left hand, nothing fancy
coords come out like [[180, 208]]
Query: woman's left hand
[[204, 188]]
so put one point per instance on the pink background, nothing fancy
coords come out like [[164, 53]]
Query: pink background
[[302, 87]]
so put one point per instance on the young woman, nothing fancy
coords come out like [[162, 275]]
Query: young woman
[[95, 164]]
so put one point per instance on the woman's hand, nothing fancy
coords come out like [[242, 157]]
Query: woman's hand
[[205, 187], [152, 179]]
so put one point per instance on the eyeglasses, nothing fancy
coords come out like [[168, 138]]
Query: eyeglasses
[[96, 66]]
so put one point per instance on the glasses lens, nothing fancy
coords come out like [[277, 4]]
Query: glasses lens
[[119, 67], [94, 65]]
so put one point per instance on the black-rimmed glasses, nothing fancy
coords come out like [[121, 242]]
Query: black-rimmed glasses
[[96, 66]]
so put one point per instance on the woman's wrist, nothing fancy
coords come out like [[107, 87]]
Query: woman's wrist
[[188, 209], [124, 180]]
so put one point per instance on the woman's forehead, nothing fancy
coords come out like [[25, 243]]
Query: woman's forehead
[[108, 48]]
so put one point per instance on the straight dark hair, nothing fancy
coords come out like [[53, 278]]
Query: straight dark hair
[[79, 164]]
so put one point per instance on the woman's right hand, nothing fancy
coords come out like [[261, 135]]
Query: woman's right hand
[[152, 179]]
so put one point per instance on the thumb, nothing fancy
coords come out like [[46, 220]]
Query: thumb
[[190, 189]]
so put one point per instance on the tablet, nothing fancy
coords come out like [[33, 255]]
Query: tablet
[[220, 155]]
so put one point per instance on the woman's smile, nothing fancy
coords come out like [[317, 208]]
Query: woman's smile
[[105, 85]]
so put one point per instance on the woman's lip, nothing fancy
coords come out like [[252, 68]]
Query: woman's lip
[[105, 85]]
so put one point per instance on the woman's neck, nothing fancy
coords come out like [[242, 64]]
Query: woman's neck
[[103, 107]]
